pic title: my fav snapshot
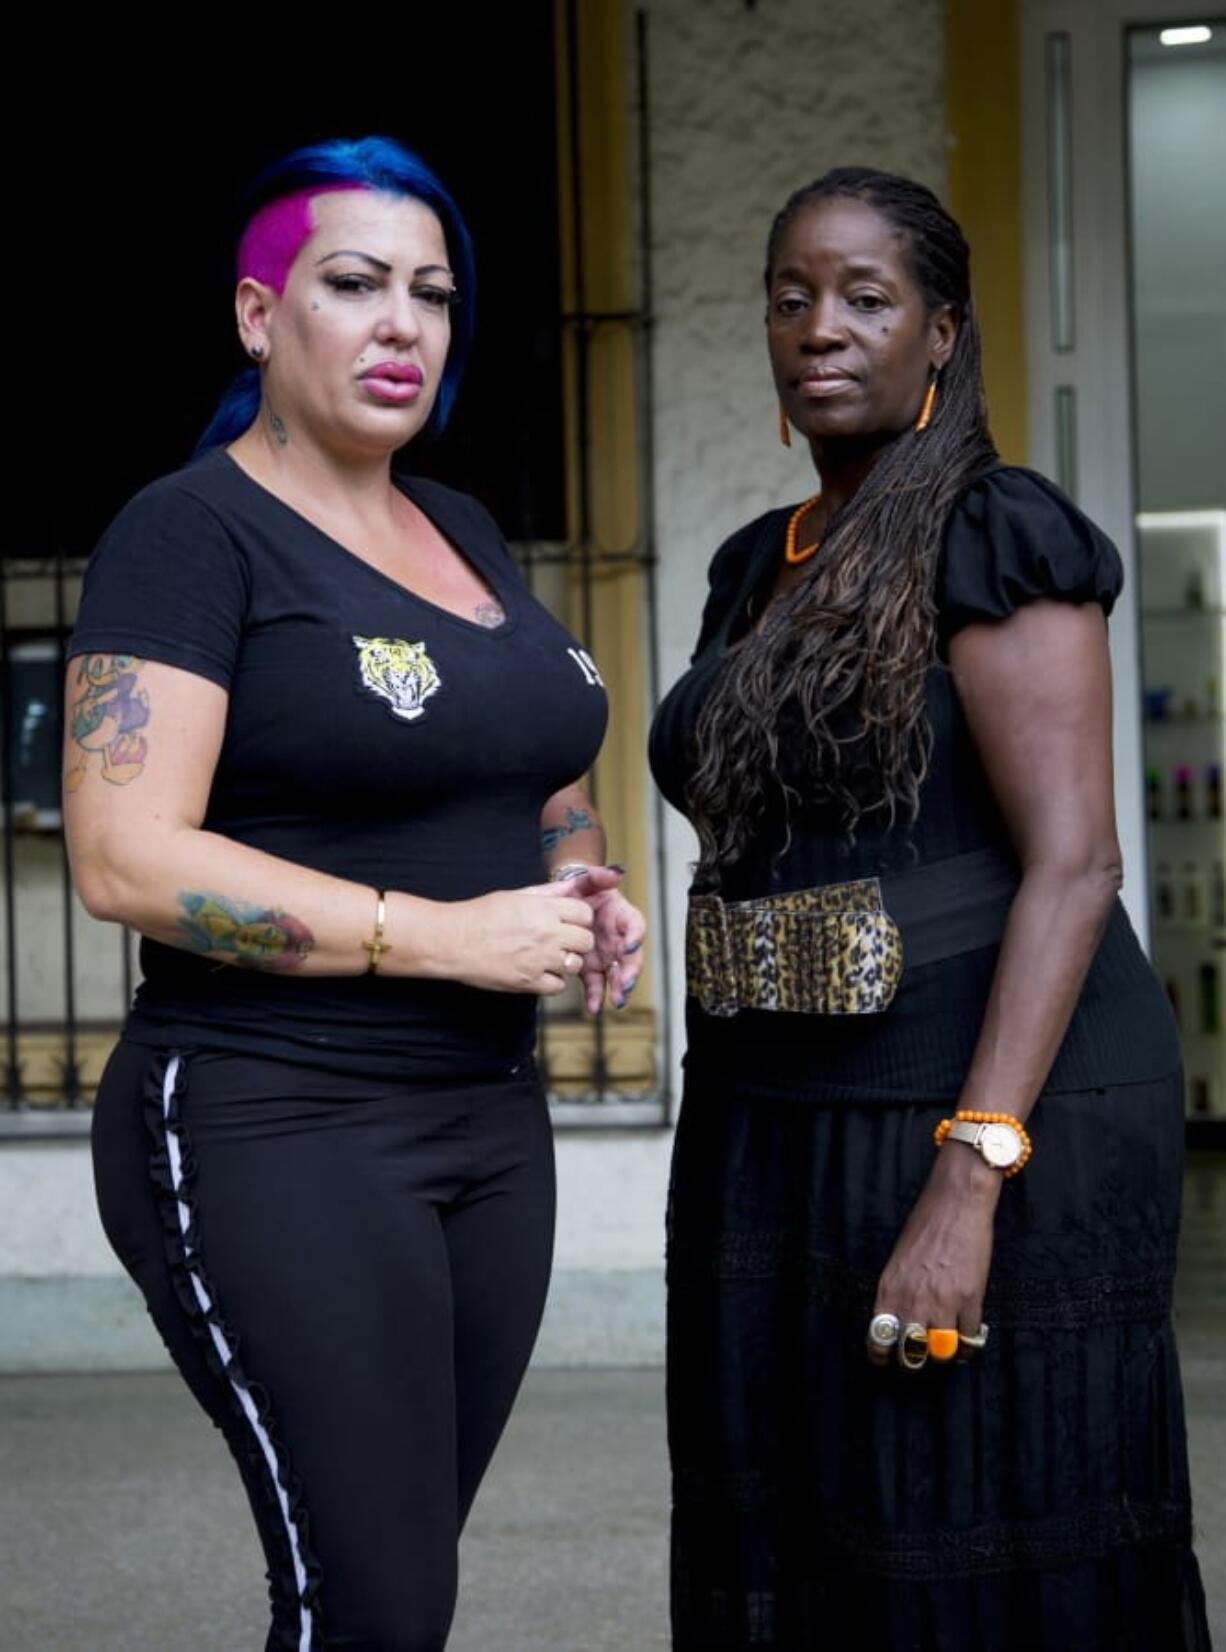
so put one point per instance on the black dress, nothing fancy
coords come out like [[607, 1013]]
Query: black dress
[[1035, 1500]]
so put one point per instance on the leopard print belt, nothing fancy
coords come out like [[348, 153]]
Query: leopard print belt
[[840, 949]]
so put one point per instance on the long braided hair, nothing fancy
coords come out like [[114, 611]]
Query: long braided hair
[[825, 704]]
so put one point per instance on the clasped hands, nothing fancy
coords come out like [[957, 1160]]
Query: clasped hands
[[612, 964], [532, 939]]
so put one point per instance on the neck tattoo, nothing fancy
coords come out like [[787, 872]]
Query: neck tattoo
[[278, 429], [489, 613]]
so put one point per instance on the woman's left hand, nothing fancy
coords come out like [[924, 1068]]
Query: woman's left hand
[[615, 962], [938, 1270]]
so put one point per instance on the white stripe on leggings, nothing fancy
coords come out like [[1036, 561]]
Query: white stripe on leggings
[[223, 1350]]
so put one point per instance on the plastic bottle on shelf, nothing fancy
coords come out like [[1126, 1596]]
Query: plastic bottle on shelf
[[1164, 893], [1213, 791], [1183, 792], [1153, 794], [1210, 1009], [1217, 894], [1193, 907]]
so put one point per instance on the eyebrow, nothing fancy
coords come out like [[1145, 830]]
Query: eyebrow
[[378, 263], [876, 272]]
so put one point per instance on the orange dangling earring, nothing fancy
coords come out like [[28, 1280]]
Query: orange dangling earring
[[785, 430], [930, 401]]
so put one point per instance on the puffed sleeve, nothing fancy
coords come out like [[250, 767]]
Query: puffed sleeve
[[167, 582], [1015, 538]]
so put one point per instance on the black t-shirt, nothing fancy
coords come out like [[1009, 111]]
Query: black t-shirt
[[1012, 539], [370, 735]]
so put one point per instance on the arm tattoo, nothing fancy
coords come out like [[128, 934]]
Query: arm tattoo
[[107, 711], [577, 820], [489, 613], [253, 937]]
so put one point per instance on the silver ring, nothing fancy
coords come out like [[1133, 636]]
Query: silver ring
[[572, 963], [914, 1337], [884, 1330], [969, 1345]]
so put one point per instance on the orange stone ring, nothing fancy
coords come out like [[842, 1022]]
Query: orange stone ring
[[942, 1344]]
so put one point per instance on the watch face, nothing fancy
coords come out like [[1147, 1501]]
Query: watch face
[[1000, 1145]]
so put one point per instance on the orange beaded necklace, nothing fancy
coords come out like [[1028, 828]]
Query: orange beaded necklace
[[791, 554]]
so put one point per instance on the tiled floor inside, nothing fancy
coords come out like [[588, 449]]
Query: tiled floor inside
[[122, 1528]]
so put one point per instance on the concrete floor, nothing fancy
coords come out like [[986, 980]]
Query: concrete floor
[[122, 1528]]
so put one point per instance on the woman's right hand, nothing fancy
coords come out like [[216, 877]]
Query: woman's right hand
[[514, 940]]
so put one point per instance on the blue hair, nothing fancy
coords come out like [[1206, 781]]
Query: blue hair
[[366, 163]]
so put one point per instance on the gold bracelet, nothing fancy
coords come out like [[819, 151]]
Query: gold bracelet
[[377, 946]]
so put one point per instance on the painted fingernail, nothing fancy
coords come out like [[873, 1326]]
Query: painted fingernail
[[615, 866], [633, 947]]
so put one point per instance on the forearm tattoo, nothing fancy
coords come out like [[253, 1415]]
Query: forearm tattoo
[[577, 820], [253, 937], [108, 708]]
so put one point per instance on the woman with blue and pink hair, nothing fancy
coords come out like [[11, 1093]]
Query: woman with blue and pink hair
[[352, 837]]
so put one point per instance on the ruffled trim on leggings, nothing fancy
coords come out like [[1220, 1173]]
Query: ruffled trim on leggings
[[297, 1589]]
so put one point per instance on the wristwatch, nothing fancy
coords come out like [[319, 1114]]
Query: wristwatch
[[997, 1144]]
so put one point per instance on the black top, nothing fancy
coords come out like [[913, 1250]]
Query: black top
[[370, 734], [1013, 538]]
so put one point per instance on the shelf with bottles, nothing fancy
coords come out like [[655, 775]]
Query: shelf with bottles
[[1195, 994], [1189, 897], [1193, 981], [1164, 705], [1185, 613], [1187, 794]]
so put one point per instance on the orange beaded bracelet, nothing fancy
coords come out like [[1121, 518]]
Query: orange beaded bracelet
[[968, 1117]]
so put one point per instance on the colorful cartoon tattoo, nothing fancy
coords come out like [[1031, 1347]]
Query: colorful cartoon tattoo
[[106, 711], [577, 820], [252, 937]]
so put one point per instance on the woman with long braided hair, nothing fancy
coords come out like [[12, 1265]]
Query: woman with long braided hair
[[923, 1389]]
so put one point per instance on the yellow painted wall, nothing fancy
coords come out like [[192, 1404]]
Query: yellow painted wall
[[984, 192], [607, 580]]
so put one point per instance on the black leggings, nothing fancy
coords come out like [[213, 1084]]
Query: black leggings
[[350, 1275]]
